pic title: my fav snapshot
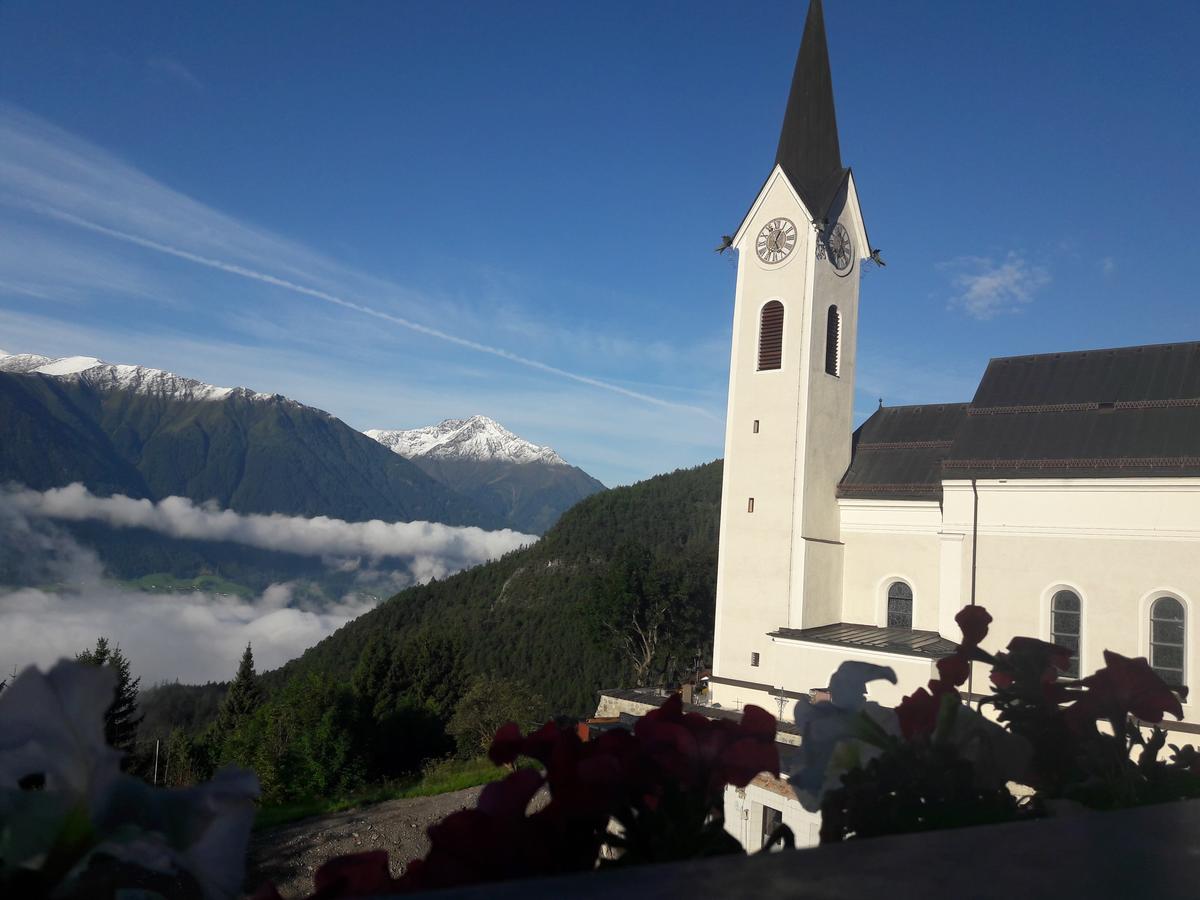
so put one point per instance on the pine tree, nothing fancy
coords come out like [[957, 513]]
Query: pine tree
[[244, 696], [120, 719], [96, 657]]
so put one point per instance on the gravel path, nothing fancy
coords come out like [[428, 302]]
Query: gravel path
[[290, 854]]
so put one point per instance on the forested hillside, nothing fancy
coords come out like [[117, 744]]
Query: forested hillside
[[556, 615], [529, 496], [438, 667]]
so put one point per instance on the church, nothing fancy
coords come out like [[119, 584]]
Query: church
[[1064, 496]]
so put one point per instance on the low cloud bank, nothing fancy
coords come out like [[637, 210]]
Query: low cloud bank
[[191, 637], [195, 636], [431, 550]]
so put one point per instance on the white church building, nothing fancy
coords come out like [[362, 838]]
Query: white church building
[[1064, 496]]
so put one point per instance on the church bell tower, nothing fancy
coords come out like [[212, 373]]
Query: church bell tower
[[791, 392]]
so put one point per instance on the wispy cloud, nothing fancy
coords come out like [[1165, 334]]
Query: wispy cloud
[[985, 288], [36, 263], [50, 173], [617, 441], [1108, 267], [431, 550], [175, 70], [275, 281]]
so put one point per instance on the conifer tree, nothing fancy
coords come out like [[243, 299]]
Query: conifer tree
[[120, 719], [244, 696]]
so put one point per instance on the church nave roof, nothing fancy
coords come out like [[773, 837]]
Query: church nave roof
[[1119, 413]]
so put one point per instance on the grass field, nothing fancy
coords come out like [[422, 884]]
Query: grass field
[[450, 775]]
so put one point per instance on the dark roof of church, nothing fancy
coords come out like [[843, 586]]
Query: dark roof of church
[[1132, 411], [907, 641], [897, 453], [808, 152], [1092, 414]]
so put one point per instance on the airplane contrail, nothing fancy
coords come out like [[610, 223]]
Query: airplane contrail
[[265, 278]]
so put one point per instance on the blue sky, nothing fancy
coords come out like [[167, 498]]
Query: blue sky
[[548, 181]]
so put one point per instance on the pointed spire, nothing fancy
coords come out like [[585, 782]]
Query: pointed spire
[[808, 146]]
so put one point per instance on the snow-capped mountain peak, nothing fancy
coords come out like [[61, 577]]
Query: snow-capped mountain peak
[[108, 376], [477, 438]]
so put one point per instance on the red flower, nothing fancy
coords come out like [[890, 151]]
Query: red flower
[[507, 744], [918, 712], [954, 669], [974, 621], [695, 751], [1128, 687], [619, 775]]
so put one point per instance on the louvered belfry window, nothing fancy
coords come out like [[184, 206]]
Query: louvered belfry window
[[833, 341], [770, 337]]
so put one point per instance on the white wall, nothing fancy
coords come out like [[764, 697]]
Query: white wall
[[781, 565], [1118, 543], [888, 541], [744, 815], [754, 558]]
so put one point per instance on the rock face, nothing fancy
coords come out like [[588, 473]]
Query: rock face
[[526, 484]]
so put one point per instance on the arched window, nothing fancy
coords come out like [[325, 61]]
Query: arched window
[[899, 610], [833, 341], [770, 336], [1167, 642], [1065, 611]]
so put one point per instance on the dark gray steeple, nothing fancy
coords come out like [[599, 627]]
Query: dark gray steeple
[[808, 146]]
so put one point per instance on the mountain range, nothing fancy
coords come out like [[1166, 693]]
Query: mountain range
[[510, 477], [144, 432]]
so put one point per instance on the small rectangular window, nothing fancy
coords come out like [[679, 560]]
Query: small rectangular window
[[750, 505], [754, 659], [756, 426]]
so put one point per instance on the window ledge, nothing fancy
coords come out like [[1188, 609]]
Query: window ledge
[[1151, 851]]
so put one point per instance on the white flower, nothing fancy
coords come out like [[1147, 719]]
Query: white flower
[[834, 731], [53, 725], [202, 830]]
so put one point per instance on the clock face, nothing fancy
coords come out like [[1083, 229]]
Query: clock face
[[776, 240], [839, 248]]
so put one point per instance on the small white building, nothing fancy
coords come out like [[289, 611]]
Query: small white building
[[1064, 497]]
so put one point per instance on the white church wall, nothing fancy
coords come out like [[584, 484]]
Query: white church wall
[[745, 809], [888, 541], [799, 667], [827, 421], [1118, 543]]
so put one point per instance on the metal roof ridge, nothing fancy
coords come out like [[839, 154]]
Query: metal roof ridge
[[1127, 349]]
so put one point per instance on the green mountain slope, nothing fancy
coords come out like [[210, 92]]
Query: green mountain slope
[[530, 497], [543, 614], [251, 454]]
